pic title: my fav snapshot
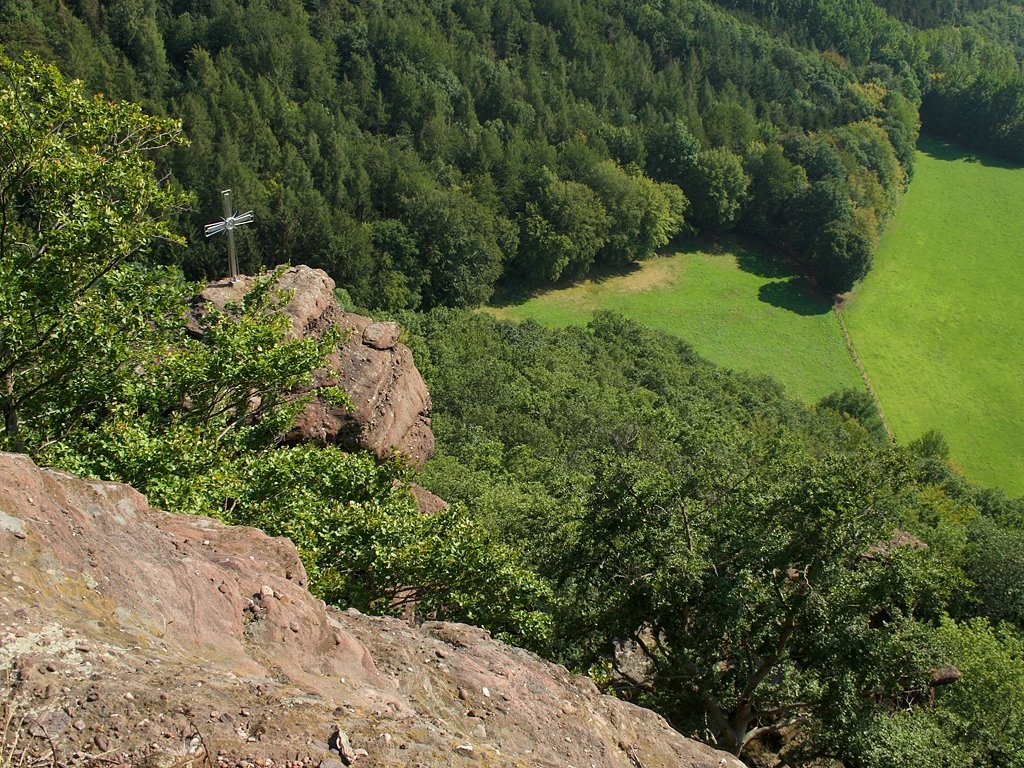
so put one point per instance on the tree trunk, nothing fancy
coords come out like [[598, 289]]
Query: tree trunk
[[11, 425]]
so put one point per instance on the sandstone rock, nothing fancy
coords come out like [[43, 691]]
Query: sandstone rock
[[390, 402], [339, 743], [381, 335], [428, 503], [162, 627], [945, 676]]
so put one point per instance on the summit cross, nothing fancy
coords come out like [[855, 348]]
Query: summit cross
[[228, 224]]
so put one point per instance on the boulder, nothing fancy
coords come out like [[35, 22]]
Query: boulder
[[391, 404]]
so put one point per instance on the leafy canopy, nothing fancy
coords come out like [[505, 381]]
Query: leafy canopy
[[78, 199]]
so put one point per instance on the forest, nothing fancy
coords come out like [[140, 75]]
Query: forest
[[778, 580], [426, 154]]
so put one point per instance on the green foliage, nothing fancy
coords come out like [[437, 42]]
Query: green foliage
[[334, 121], [78, 200], [974, 96], [193, 406], [365, 543], [859, 406], [994, 562], [981, 715], [564, 229], [748, 549], [718, 186]]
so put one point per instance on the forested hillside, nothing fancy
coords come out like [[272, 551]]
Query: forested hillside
[[421, 152], [782, 582]]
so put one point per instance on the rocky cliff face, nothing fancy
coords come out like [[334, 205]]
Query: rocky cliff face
[[391, 405], [138, 637]]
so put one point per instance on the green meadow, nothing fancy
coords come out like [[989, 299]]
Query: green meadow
[[939, 323], [728, 303]]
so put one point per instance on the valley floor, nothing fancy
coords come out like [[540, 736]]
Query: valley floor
[[939, 324]]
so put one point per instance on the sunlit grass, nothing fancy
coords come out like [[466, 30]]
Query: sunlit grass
[[729, 304], [939, 323]]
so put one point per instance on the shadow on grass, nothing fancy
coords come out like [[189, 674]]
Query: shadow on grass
[[795, 294], [514, 295], [759, 264], [941, 149]]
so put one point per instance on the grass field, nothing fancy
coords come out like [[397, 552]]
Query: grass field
[[939, 322], [728, 304]]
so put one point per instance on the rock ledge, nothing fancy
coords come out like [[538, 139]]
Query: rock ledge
[[136, 637]]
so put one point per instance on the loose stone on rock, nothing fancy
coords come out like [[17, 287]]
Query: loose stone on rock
[[339, 743]]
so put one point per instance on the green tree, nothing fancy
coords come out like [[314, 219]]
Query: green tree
[[858, 405], [749, 586], [718, 185], [365, 544], [562, 231], [79, 198]]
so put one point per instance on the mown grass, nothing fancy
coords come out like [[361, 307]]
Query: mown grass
[[728, 303], [939, 322]]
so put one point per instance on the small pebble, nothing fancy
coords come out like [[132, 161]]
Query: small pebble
[[101, 742]]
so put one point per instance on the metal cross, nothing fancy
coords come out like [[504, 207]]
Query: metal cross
[[228, 224]]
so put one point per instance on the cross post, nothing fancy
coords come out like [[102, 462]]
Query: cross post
[[228, 224]]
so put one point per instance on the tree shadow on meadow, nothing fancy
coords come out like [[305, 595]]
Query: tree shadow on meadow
[[796, 294], [757, 263], [512, 295], [941, 149]]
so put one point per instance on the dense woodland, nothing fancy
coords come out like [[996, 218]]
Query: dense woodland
[[781, 579], [426, 152], [423, 152], [778, 580]]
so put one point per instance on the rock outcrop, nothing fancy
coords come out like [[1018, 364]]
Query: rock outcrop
[[391, 405], [138, 637]]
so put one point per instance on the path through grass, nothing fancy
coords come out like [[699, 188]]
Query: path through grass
[[729, 304], [939, 322]]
